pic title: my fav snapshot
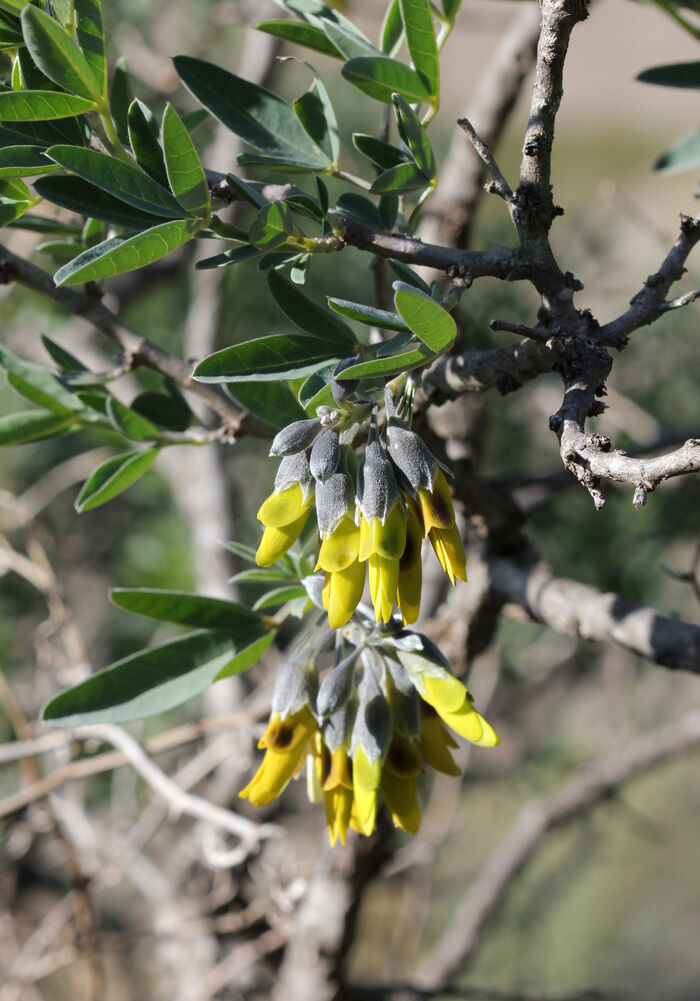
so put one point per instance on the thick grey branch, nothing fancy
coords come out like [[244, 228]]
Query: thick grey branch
[[568, 606], [650, 302], [476, 370], [535, 820]]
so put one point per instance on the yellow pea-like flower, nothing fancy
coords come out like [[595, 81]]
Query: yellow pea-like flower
[[285, 742]]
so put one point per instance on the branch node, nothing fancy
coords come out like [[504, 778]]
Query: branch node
[[640, 496]]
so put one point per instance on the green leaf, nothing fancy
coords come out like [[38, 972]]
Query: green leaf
[[350, 43], [74, 193], [315, 384], [40, 105], [155, 680], [164, 410], [234, 256], [368, 314], [121, 96], [91, 39], [381, 153], [380, 77], [40, 224], [279, 595], [362, 209], [186, 175], [682, 155], [60, 250], [123, 180], [246, 191], [451, 8], [301, 34], [144, 139], [56, 55], [414, 136], [272, 226], [131, 424], [14, 201], [272, 402], [113, 477], [278, 356], [428, 320], [315, 112], [408, 275], [258, 116], [308, 316], [673, 75], [260, 576], [422, 45], [49, 391], [392, 29], [188, 609], [64, 359], [387, 367], [32, 425], [24, 161], [397, 180], [126, 253]]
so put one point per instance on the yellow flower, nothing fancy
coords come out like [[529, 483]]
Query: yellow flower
[[410, 566], [285, 742], [382, 545], [435, 741], [454, 704], [338, 795], [366, 779], [342, 591]]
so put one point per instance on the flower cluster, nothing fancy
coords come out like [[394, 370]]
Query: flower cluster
[[373, 512], [368, 729]]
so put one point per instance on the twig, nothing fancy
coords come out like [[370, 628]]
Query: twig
[[521, 330], [534, 822], [498, 184], [477, 370]]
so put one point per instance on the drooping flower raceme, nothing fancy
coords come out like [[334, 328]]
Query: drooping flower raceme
[[369, 731], [373, 510]]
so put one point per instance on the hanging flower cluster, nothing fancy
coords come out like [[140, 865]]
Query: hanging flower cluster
[[373, 512], [368, 729]]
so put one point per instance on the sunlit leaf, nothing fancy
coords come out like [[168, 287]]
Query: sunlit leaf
[[428, 320], [277, 356], [186, 175], [301, 34], [422, 45], [91, 39], [380, 77], [32, 425], [57, 56], [114, 476], [40, 105]]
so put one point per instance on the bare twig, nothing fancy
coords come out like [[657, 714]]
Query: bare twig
[[498, 184]]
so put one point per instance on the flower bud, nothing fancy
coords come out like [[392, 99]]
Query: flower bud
[[372, 729], [334, 500], [296, 437], [325, 455], [296, 685], [294, 469], [337, 686], [377, 489], [343, 390], [414, 462]]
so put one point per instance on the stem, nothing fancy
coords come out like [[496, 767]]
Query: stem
[[358, 181], [111, 133]]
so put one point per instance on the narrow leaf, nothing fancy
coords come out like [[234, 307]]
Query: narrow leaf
[[91, 39], [113, 477], [56, 55], [381, 153], [80, 196], [387, 367], [272, 226], [144, 138], [392, 29], [682, 155], [188, 609], [272, 402], [397, 180], [408, 275], [131, 424], [422, 44], [155, 680], [315, 112], [258, 116], [301, 34], [349, 43], [123, 180], [43, 381], [120, 97], [278, 596], [32, 425], [414, 136], [24, 161], [40, 105], [380, 77], [673, 75], [368, 314], [278, 356], [308, 316], [121, 254], [428, 320], [234, 256], [186, 175]]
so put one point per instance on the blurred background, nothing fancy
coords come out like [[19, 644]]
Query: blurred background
[[103, 894]]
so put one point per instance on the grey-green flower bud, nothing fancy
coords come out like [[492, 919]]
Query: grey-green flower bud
[[372, 729], [296, 437], [377, 489], [296, 685], [336, 686], [325, 455], [415, 464], [335, 499], [295, 469]]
